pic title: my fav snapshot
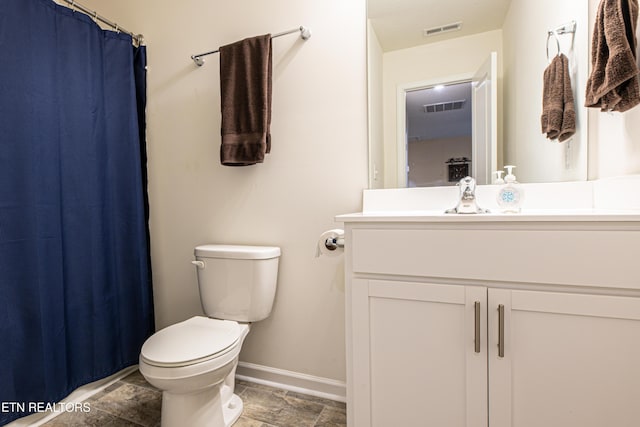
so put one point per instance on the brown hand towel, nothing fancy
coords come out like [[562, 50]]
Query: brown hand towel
[[245, 93], [558, 110], [613, 84]]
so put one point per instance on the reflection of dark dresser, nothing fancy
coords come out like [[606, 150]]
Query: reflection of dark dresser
[[458, 168]]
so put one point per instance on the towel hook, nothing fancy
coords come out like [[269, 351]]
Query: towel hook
[[555, 35]]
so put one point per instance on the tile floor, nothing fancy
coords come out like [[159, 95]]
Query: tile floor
[[132, 402]]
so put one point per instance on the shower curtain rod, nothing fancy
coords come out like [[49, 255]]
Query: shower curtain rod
[[305, 34], [137, 38]]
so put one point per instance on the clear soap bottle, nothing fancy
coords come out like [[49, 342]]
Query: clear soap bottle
[[511, 194]]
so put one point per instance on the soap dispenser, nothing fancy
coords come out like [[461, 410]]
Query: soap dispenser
[[511, 195], [498, 179]]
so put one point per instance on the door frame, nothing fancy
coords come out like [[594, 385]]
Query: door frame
[[485, 120], [488, 133]]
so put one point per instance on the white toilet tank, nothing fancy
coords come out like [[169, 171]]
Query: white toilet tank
[[237, 282]]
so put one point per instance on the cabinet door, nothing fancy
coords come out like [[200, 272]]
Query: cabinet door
[[569, 360], [417, 363]]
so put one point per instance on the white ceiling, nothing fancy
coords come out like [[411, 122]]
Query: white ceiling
[[400, 23], [441, 125]]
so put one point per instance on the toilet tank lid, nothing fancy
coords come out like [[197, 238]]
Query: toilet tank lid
[[237, 251]]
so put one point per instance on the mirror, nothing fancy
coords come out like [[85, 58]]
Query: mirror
[[424, 43]]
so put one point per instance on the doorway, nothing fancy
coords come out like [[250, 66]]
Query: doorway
[[483, 104], [439, 134]]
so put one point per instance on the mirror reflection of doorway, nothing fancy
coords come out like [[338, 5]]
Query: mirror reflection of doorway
[[439, 134], [483, 103]]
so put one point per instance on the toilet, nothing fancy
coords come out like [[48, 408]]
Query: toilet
[[194, 362]]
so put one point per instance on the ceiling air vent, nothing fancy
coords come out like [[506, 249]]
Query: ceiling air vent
[[443, 29], [444, 106]]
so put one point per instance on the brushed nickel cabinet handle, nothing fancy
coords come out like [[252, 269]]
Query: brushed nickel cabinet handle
[[477, 326], [500, 330]]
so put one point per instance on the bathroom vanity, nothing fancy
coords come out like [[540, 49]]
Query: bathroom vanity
[[493, 320]]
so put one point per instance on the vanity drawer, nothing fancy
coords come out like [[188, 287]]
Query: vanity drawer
[[603, 258]]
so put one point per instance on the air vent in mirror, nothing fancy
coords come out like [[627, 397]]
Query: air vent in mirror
[[442, 29], [444, 106]]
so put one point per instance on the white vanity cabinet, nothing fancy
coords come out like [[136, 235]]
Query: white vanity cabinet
[[519, 321], [569, 360], [414, 359]]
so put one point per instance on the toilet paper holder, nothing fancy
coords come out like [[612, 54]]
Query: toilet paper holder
[[334, 243]]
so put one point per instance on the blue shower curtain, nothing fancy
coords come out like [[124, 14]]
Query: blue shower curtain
[[75, 285]]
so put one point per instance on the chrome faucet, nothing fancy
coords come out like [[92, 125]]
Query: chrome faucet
[[467, 203]]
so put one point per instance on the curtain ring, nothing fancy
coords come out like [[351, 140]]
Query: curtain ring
[[95, 16], [116, 27], [555, 35]]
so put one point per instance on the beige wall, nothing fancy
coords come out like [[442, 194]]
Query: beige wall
[[613, 139], [317, 168], [439, 60], [537, 158]]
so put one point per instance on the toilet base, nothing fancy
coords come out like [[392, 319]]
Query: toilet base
[[202, 409], [232, 410], [200, 394]]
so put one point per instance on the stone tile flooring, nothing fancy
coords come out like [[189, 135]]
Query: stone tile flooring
[[132, 402]]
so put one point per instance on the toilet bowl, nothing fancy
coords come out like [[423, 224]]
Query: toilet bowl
[[194, 362]]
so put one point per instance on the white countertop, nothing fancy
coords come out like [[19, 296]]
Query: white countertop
[[547, 215], [612, 200]]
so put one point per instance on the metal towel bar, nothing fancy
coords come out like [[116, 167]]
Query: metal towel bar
[[305, 34]]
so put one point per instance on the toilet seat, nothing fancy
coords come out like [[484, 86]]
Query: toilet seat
[[193, 341]]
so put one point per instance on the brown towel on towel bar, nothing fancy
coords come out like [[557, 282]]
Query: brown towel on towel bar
[[245, 93], [613, 84], [558, 109]]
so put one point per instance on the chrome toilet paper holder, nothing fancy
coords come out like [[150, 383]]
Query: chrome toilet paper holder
[[334, 243]]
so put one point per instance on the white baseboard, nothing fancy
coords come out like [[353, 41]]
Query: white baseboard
[[293, 381]]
